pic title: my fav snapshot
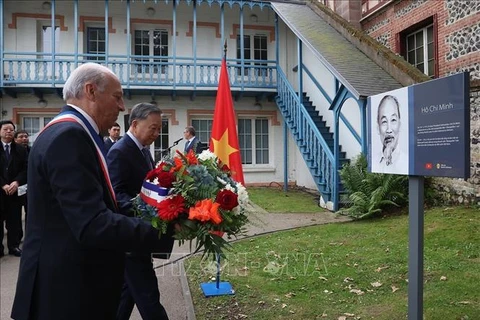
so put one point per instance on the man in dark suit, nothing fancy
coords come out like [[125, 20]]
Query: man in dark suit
[[129, 161], [73, 258], [13, 173], [21, 137], [192, 141], [113, 136]]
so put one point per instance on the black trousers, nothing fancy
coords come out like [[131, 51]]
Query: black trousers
[[140, 288], [11, 213]]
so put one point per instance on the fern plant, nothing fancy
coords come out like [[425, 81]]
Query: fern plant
[[368, 193]]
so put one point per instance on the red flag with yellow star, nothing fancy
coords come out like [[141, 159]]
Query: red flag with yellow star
[[224, 139]]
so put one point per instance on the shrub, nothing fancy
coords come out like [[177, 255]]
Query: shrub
[[368, 194]]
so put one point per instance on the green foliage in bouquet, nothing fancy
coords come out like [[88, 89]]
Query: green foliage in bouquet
[[370, 193], [197, 195]]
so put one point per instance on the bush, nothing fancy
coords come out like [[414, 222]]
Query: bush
[[368, 194]]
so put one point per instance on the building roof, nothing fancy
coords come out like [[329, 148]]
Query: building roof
[[356, 71]]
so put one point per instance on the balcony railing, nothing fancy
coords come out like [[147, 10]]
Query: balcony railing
[[41, 70]]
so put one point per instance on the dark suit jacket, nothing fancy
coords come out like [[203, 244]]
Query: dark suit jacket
[[15, 170], [108, 144], [128, 169], [73, 255], [195, 145]]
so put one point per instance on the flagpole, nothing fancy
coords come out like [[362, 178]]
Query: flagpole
[[225, 50], [221, 288]]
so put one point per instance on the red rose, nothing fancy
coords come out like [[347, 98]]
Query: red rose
[[166, 179], [152, 174], [227, 199], [170, 208]]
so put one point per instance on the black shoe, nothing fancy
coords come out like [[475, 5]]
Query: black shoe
[[17, 252]]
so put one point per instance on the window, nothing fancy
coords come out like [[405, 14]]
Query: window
[[151, 43], [203, 129], [95, 43], [257, 49], [253, 140], [34, 124], [253, 137], [161, 143], [420, 50]]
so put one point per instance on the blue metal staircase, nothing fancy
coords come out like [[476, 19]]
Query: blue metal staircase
[[314, 139]]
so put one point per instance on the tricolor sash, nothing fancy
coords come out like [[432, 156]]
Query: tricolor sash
[[69, 116], [153, 194]]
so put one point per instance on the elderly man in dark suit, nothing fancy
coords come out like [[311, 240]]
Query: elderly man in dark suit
[[13, 173], [129, 161], [73, 258]]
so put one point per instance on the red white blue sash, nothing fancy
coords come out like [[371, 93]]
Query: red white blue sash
[[153, 194], [78, 118]]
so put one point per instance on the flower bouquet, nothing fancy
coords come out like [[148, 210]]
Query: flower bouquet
[[197, 194]]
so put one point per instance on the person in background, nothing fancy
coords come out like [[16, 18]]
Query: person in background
[[13, 173], [129, 161], [113, 136], [193, 143], [73, 258], [21, 137]]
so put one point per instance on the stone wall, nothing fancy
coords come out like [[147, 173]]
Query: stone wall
[[457, 190]]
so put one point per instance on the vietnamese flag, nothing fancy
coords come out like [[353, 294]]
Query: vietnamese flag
[[224, 138]]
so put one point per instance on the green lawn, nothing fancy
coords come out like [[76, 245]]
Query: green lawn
[[356, 270], [292, 201]]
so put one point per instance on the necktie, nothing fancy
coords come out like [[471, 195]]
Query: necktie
[[148, 158], [7, 152], [187, 145]]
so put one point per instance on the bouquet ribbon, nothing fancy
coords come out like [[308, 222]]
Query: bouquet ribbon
[[153, 194]]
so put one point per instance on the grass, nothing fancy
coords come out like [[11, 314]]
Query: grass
[[355, 270], [275, 200]]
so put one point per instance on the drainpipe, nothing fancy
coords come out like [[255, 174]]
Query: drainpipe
[[1, 45], [53, 42], [174, 44], [129, 48], [75, 28], [106, 33]]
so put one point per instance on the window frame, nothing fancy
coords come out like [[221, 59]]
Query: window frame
[[252, 50], [143, 64], [41, 122], [254, 150], [87, 43], [422, 26]]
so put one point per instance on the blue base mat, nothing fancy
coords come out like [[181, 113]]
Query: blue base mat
[[212, 289]]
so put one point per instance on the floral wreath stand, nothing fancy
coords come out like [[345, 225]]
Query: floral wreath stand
[[217, 288]]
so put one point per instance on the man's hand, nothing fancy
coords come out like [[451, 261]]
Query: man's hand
[[12, 188]]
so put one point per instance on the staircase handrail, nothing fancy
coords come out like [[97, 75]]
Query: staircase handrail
[[283, 79]]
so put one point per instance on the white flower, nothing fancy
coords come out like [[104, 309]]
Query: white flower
[[206, 155], [242, 195]]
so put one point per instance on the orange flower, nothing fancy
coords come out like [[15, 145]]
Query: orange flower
[[177, 166], [191, 157], [204, 211]]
